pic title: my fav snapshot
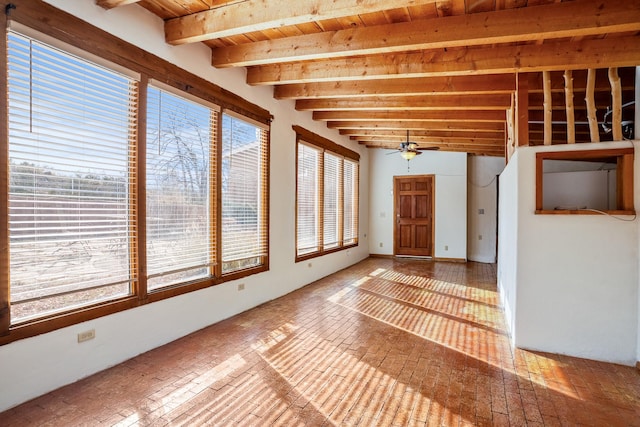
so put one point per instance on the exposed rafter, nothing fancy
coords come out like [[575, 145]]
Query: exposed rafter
[[447, 142], [465, 73], [405, 124], [256, 15], [570, 19], [408, 103], [490, 150], [424, 141], [451, 85], [426, 116], [401, 134], [558, 56]]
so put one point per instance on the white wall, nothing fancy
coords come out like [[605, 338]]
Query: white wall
[[450, 170], [33, 366], [508, 242], [576, 190], [482, 197], [576, 276]]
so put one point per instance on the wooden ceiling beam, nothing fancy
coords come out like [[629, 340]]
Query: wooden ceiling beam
[[439, 141], [408, 103], [462, 143], [493, 153], [442, 142], [486, 151], [411, 125], [556, 56], [258, 15], [569, 19], [110, 4], [426, 116], [418, 134], [451, 85], [489, 151]]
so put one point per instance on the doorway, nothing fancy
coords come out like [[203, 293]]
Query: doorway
[[414, 213]]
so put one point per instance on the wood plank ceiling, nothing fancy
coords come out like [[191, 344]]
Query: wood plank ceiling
[[446, 70]]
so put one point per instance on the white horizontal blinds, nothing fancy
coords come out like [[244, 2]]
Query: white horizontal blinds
[[70, 223], [308, 200], [179, 139], [350, 210], [332, 204], [244, 192]]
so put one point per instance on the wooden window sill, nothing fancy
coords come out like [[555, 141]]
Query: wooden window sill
[[583, 212]]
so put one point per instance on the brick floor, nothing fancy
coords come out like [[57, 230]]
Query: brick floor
[[385, 342]]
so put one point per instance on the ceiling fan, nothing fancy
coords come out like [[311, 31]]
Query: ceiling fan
[[409, 149]]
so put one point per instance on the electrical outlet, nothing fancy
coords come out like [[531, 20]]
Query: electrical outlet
[[380, 244], [480, 211], [87, 335], [446, 247], [241, 286]]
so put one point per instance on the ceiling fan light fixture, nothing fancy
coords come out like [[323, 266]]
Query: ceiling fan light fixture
[[408, 155]]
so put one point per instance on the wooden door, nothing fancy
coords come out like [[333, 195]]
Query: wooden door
[[413, 209]]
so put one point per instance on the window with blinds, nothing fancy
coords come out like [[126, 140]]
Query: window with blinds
[[71, 161], [332, 201], [308, 196], [244, 189], [350, 202], [122, 189], [326, 198], [180, 188]]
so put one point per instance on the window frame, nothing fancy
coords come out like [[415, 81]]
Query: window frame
[[323, 145], [93, 43]]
